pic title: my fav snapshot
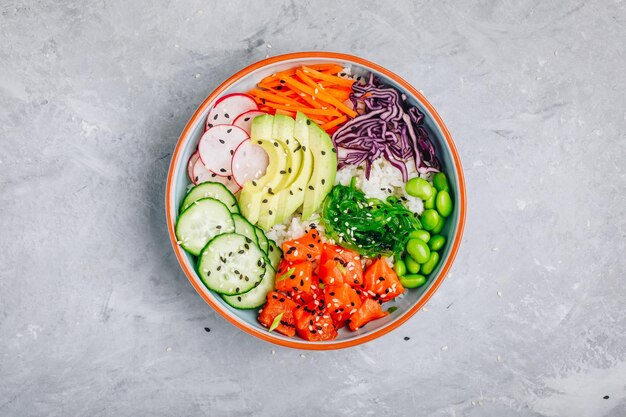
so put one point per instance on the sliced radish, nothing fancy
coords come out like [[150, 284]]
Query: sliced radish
[[244, 120], [192, 161], [249, 162], [227, 108], [201, 174], [217, 147]]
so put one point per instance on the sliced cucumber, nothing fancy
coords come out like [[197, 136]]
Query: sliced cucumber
[[214, 190], [274, 253], [256, 297], [263, 241], [201, 222], [244, 227], [231, 264]]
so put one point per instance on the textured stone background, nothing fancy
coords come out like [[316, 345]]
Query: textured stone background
[[97, 319]]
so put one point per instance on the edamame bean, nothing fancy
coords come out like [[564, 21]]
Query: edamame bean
[[418, 249], [441, 182], [400, 267], [412, 281], [443, 202], [430, 203], [420, 234], [439, 227], [412, 267], [428, 267], [436, 242], [429, 219], [419, 187]]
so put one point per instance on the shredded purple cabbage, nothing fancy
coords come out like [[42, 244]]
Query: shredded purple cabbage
[[386, 126]]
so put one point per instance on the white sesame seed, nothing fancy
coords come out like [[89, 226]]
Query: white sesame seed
[[444, 348]]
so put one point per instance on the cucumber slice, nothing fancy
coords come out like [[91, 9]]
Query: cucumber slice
[[275, 254], [201, 222], [231, 264], [257, 296], [245, 228], [263, 241], [214, 190]]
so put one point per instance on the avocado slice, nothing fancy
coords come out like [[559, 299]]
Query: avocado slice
[[284, 127], [252, 192], [292, 197], [324, 170]]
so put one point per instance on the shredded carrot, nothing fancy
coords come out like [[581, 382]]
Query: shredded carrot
[[327, 68], [322, 95], [286, 113], [327, 77], [278, 76], [329, 125], [321, 112], [315, 90], [319, 94], [272, 97]]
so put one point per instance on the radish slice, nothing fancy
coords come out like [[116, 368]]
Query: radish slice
[[217, 147], [249, 162], [244, 120], [192, 162], [227, 108], [201, 174]]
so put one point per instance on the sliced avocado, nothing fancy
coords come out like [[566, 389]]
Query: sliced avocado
[[324, 170], [292, 197], [284, 127], [252, 192]]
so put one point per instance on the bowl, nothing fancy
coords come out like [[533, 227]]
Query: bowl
[[408, 305]]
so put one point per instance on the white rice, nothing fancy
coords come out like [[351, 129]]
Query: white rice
[[385, 180]]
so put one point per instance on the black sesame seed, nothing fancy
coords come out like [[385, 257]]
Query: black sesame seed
[[407, 338], [279, 87], [229, 130], [263, 100], [210, 125], [282, 81], [270, 212], [222, 170], [302, 283], [308, 122], [283, 172], [289, 170], [606, 397], [290, 192], [254, 183], [226, 115], [265, 200], [323, 181], [221, 141], [219, 267], [311, 188], [323, 152], [215, 117], [276, 144], [259, 142], [304, 148]]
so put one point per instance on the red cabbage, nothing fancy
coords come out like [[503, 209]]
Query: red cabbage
[[387, 126]]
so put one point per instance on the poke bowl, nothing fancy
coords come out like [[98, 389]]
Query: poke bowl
[[315, 200]]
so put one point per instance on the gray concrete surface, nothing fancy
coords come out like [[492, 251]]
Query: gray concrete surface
[[97, 319]]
